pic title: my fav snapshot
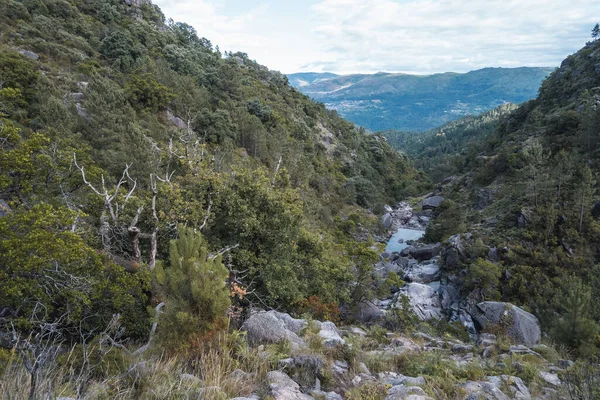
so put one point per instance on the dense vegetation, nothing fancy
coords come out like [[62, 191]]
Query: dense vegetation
[[122, 131], [406, 102], [451, 148], [529, 190]]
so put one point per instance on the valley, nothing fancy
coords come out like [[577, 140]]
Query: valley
[[178, 222]]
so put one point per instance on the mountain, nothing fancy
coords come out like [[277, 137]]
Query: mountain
[[406, 102], [523, 195]]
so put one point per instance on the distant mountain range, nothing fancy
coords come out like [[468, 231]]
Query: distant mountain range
[[416, 102]]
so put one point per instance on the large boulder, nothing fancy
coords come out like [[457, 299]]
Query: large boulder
[[422, 273], [424, 300], [433, 202], [273, 327], [330, 335], [282, 387], [387, 220], [367, 312], [523, 327], [426, 252]]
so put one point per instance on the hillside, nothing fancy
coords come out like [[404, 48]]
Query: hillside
[[527, 201], [405, 102], [449, 149]]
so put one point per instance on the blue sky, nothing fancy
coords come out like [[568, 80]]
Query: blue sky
[[413, 36]]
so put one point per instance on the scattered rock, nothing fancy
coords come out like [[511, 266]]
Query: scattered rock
[[424, 300], [178, 122], [462, 349], [282, 387], [358, 331], [402, 392], [368, 312], [426, 252], [330, 335], [550, 378], [432, 202], [29, 54], [522, 326], [564, 364], [273, 327]]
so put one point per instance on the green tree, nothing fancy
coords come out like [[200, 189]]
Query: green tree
[[596, 32], [575, 328], [195, 291], [484, 277]]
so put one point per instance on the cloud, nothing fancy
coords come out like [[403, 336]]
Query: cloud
[[442, 35], [419, 36]]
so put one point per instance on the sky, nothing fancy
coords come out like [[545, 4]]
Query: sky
[[411, 36]]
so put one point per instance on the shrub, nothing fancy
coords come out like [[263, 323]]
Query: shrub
[[195, 289], [144, 92]]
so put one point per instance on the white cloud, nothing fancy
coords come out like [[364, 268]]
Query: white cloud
[[458, 35], [422, 36]]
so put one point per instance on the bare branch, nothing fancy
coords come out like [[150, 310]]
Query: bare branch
[[210, 203], [145, 347], [223, 251]]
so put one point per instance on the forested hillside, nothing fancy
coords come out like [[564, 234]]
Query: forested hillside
[[529, 191], [120, 130], [446, 150]]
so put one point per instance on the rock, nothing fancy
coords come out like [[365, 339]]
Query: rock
[[485, 197], [358, 331], [4, 208], [402, 392], [251, 397], [523, 218], [273, 327], [282, 387], [420, 273], [523, 327], [178, 122], [29, 54], [462, 349], [492, 388], [82, 112], [520, 349], [77, 97], [190, 379], [367, 312], [387, 220], [564, 364], [432, 202], [486, 340], [550, 378], [424, 300], [426, 252], [331, 336]]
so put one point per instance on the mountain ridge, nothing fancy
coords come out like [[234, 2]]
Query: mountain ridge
[[419, 102]]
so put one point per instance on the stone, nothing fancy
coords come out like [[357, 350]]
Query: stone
[[368, 312], [273, 327], [564, 364], [330, 335], [78, 97], [424, 300], [282, 387], [426, 252], [190, 379], [462, 349], [421, 273], [387, 220], [4, 208], [523, 327], [433, 202], [358, 331], [29, 54], [402, 392], [486, 339], [251, 397], [550, 378], [178, 122], [485, 197]]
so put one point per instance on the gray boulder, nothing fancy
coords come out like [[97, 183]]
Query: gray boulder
[[424, 300], [282, 387], [273, 327], [367, 312], [426, 252], [522, 326], [29, 54], [433, 202], [387, 220], [330, 335], [420, 273]]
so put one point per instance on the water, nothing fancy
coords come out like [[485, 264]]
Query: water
[[406, 234]]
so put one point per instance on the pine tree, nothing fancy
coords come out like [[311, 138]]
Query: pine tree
[[196, 292], [575, 328], [596, 32]]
